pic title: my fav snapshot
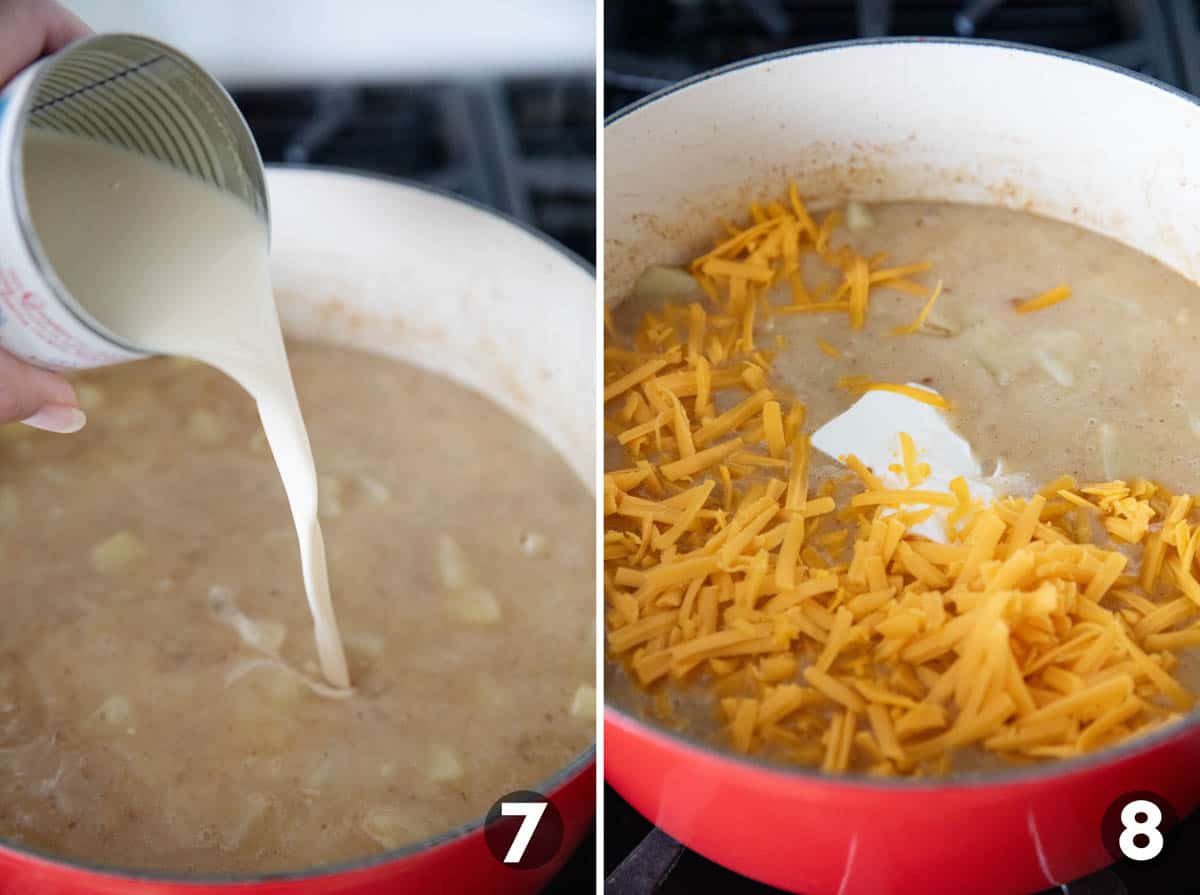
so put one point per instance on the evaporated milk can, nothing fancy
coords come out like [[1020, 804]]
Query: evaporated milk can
[[127, 91]]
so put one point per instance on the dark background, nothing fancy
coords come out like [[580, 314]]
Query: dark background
[[524, 146]]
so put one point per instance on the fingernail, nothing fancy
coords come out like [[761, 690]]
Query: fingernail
[[61, 418]]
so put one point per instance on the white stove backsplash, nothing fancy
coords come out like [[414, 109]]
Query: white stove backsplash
[[269, 42]]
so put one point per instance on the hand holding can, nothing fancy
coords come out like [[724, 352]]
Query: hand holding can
[[40, 398]]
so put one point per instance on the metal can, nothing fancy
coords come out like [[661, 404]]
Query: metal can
[[128, 91]]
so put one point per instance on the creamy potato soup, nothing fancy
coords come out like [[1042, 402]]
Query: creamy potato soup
[[161, 703], [799, 604], [1036, 391]]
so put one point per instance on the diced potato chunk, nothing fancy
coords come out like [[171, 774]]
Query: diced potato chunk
[[466, 600], [111, 717], [286, 690], [253, 815], [1059, 353], [534, 544], [940, 323], [90, 396], [1054, 367], [8, 503], [329, 500], [114, 710], [1110, 451], [258, 443], [55, 474], [366, 643], [995, 366], [490, 692], [260, 725], [475, 606], [453, 564], [117, 552], [318, 775], [264, 634], [375, 490], [658, 283], [858, 216], [391, 827], [583, 703], [205, 428], [22, 705], [444, 766]]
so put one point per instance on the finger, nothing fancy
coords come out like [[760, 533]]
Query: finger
[[62, 27], [29, 29], [38, 397], [61, 418]]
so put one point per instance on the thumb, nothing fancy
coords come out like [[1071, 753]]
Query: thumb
[[37, 397]]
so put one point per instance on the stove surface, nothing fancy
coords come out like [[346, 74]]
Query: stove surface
[[652, 44], [525, 147]]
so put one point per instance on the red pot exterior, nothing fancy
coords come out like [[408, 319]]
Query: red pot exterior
[[463, 865], [824, 836]]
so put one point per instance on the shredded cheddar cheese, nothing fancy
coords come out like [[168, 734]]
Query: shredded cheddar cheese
[[827, 349], [862, 384], [916, 325], [1045, 300], [823, 629]]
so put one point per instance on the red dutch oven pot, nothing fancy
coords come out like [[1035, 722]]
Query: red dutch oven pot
[[443, 284], [960, 121]]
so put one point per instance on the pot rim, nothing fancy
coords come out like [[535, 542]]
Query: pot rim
[[1060, 769], [547, 787], [832, 46]]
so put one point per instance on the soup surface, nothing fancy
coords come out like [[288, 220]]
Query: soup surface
[[1100, 387], [176, 266], [1120, 347], [143, 719]]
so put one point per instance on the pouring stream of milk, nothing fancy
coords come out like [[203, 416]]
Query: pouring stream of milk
[[175, 266]]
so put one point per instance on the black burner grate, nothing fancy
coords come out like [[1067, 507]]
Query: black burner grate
[[651, 44], [524, 147]]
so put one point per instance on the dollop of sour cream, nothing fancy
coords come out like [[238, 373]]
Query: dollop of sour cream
[[870, 430]]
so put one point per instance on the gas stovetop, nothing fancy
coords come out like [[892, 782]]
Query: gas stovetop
[[654, 43], [651, 44], [525, 147]]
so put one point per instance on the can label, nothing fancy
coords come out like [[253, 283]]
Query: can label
[[36, 324]]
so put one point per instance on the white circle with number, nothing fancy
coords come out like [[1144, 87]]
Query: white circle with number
[[1146, 827]]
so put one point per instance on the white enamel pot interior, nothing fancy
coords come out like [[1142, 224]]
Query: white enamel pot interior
[[437, 282], [906, 119]]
